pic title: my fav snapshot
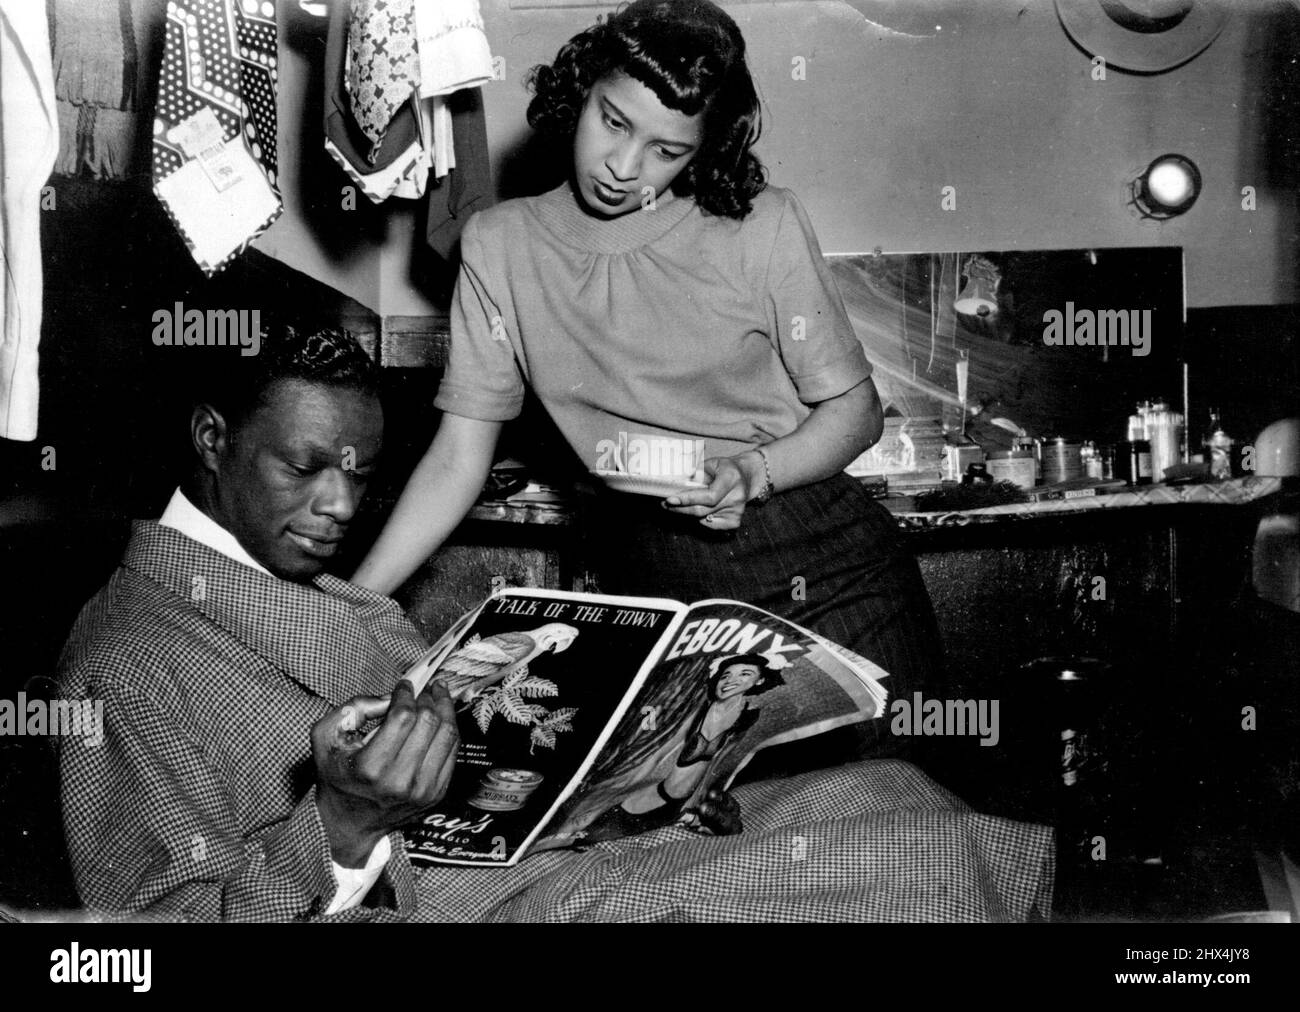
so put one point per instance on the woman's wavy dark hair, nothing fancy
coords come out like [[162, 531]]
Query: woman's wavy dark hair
[[692, 56]]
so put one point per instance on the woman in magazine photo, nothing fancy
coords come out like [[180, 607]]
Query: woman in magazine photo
[[675, 762], [665, 299]]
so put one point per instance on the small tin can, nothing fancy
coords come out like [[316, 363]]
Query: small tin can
[[1015, 466], [1062, 460], [505, 790], [1034, 447]]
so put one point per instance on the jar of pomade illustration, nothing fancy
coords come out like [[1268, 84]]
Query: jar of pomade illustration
[[505, 790]]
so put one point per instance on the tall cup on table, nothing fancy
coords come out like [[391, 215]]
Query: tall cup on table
[[1164, 430]]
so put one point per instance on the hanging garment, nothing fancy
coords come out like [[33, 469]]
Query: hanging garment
[[468, 187], [454, 52], [29, 142], [214, 132], [444, 146], [105, 69], [455, 61], [454, 55], [405, 176], [399, 167], [383, 68]]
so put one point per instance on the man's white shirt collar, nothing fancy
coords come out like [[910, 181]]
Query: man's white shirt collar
[[182, 515]]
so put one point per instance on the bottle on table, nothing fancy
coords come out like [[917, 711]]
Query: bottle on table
[[1217, 445]]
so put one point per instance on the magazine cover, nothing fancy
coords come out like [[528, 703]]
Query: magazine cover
[[734, 679], [535, 677]]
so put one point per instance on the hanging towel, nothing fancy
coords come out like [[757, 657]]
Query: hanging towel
[[454, 55], [29, 142], [214, 132], [454, 51]]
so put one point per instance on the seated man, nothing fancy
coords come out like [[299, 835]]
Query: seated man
[[233, 782]]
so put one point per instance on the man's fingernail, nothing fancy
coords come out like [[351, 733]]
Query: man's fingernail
[[674, 501]]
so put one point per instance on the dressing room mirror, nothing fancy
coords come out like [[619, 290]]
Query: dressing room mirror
[[1057, 341]]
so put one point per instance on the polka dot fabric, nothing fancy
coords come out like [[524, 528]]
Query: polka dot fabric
[[219, 55]]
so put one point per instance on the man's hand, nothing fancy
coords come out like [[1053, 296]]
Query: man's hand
[[365, 788], [717, 814], [733, 481]]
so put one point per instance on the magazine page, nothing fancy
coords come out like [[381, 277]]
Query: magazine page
[[536, 678], [732, 680]]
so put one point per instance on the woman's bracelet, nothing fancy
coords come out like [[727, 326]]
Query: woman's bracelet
[[768, 489]]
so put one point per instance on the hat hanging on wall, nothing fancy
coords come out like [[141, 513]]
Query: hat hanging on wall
[[1147, 36]]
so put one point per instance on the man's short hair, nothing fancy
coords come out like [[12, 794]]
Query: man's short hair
[[324, 355]]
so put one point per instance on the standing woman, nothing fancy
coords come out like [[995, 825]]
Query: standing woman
[[674, 316]]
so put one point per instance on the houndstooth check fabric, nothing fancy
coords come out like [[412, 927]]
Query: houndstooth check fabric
[[869, 841], [199, 805]]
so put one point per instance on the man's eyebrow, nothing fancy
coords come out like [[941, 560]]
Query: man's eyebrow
[[606, 100]]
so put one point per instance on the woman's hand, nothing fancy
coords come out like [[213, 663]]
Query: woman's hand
[[733, 481]]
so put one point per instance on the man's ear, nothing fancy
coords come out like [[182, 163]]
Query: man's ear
[[210, 436]]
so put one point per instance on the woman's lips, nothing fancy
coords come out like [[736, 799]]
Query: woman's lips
[[608, 195], [312, 546]]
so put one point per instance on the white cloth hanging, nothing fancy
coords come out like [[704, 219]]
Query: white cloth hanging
[[454, 54], [453, 47], [444, 148], [29, 144]]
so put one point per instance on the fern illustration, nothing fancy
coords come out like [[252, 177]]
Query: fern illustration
[[545, 730], [533, 688], [510, 700], [484, 708]]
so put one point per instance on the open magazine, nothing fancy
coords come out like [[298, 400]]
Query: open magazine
[[586, 717]]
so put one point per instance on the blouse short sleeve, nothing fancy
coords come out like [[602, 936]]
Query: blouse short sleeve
[[482, 379], [813, 335]]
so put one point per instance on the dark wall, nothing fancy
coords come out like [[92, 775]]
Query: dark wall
[[1246, 361]]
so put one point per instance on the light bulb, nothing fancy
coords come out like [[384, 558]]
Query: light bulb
[[1168, 187], [1170, 183]]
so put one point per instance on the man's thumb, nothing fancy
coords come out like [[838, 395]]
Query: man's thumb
[[355, 712]]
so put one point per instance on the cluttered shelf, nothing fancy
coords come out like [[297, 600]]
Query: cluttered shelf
[[1086, 498], [558, 509], [558, 514]]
